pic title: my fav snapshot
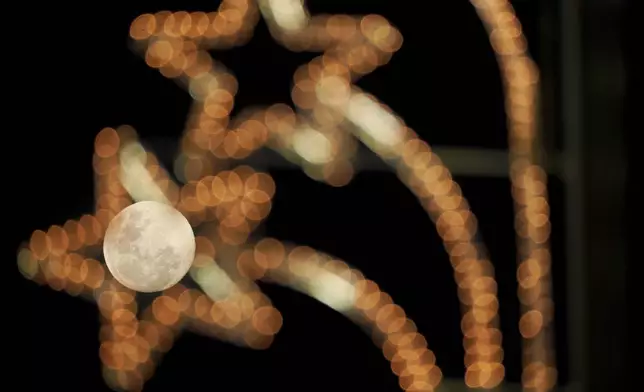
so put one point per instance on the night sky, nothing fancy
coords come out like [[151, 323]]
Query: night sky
[[444, 82]]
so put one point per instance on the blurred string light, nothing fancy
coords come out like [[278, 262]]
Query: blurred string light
[[354, 46], [530, 193], [330, 281], [230, 307], [229, 208], [132, 339], [177, 45], [314, 137], [344, 289], [329, 86]]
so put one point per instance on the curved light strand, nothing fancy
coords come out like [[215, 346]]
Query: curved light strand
[[324, 86], [344, 289]]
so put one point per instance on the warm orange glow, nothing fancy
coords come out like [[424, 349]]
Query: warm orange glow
[[330, 114], [529, 189]]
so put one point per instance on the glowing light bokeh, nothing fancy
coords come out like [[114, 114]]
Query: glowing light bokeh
[[321, 136]]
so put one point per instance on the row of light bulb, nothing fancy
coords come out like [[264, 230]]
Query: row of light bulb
[[131, 346], [529, 190], [175, 43], [358, 46]]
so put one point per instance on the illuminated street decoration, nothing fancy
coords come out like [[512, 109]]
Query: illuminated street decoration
[[226, 206]]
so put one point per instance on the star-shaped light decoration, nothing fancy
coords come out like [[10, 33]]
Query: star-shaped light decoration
[[66, 258], [234, 198], [209, 133], [175, 43], [352, 46], [130, 345]]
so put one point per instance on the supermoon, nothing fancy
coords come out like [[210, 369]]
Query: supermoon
[[149, 246]]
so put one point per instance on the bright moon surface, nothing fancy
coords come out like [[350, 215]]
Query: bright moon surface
[[149, 246]]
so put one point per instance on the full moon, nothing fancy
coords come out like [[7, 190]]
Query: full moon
[[149, 246]]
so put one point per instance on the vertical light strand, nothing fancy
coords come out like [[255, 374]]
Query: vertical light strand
[[529, 190]]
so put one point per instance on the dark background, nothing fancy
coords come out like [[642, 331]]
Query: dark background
[[81, 76]]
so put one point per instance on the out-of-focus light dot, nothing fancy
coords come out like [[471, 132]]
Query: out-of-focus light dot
[[529, 273], [166, 310], [383, 299], [166, 338], [367, 294], [269, 253], [143, 27], [216, 314], [339, 173], [124, 322], [204, 246], [175, 292], [27, 263], [258, 341], [529, 297], [149, 332], [106, 143], [110, 300], [194, 169], [263, 185], [484, 375], [233, 315], [76, 269], [202, 306], [58, 240], [127, 134], [235, 183], [75, 234], [55, 267], [111, 355], [538, 376], [102, 166], [185, 301], [408, 339], [131, 380], [141, 349], [234, 235], [248, 267], [103, 217], [246, 305], [92, 229], [267, 320], [95, 274], [390, 318], [39, 244], [423, 377], [302, 261], [530, 323], [203, 192]]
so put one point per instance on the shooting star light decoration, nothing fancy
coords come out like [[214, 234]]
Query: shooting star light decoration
[[225, 206]]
